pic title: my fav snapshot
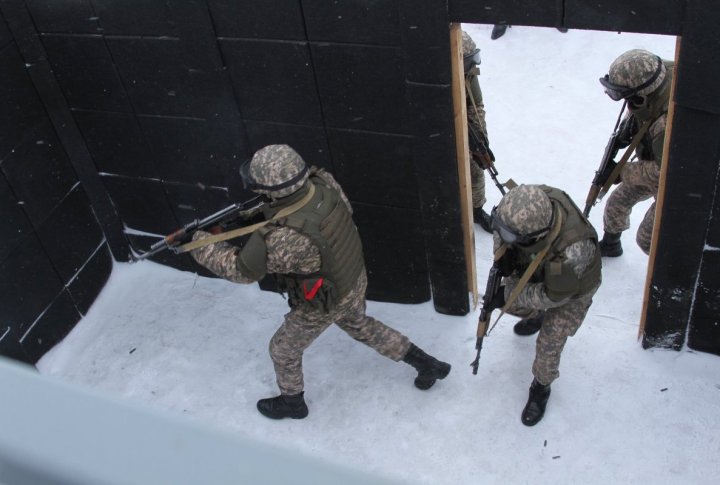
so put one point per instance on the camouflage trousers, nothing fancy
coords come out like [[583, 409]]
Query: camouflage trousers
[[303, 325], [477, 180], [559, 324], [639, 182]]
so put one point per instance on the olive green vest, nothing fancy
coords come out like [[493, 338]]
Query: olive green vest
[[327, 222], [560, 280]]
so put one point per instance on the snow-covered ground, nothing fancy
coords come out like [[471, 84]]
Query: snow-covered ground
[[618, 414]]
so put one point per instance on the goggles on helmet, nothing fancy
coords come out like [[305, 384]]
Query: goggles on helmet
[[510, 236], [618, 92], [250, 184], [471, 60]]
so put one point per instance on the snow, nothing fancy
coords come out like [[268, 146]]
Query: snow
[[197, 347]]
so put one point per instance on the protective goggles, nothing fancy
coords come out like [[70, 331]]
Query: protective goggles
[[617, 92], [471, 60], [510, 236], [250, 184]]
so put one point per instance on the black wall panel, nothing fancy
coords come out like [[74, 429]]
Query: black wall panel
[[191, 202], [39, 172], [137, 17], [205, 152], [309, 141], [704, 331], [14, 224], [700, 57], [71, 235], [426, 41], [11, 347], [648, 16], [29, 285], [89, 281], [86, 72], [355, 90], [397, 269], [142, 204], [278, 19], [54, 324], [375, 167], [66, 16], [20, 108], [273, 80], [5, 36], [116, 143], [374, 22], [517, 12], [161, 81]]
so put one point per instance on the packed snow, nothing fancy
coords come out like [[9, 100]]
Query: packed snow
[[197, 347]]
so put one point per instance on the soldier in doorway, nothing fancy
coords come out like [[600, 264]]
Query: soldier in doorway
[[313, 249], [476, 122], [643, 80], [548, 254]]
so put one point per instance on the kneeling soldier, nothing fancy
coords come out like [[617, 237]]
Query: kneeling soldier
[[313, 249]]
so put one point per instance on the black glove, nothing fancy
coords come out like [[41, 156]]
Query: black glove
[[627, 130], [498, 299]]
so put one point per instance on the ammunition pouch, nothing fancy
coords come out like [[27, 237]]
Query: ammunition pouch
[[310, 292]]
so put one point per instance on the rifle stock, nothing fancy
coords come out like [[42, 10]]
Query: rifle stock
[[492, 287]]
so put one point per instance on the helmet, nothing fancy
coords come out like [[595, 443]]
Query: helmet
[[637, 72], [471, 54], [523, 214], [468, 45], [275, 170]]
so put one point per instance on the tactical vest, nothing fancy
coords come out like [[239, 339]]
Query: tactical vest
[[560, 280], [658, 103], [327, 222]]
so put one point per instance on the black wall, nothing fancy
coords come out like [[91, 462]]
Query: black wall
[[146, 108], [54, 256]]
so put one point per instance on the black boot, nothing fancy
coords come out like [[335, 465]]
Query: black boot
[[498, 31], [284, 406], [482, 218], [429, 368], [535, 407], [610, 245], [529, 326]]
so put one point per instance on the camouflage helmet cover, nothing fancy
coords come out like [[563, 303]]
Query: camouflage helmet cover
[[635, 68], [275, 170], [525, 209], [468, 45]]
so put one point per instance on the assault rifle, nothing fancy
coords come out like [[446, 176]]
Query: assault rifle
[[480, 151], [607, 165], [493, 285], [222, 218]]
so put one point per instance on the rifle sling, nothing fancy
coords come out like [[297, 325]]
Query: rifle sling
[[539, 257], [241, 231]]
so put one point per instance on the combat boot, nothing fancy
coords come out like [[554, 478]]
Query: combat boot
[[429, 368], [529, 326], [610, 245], [482, 218], [535, 407], [283, 406], [498, 31]]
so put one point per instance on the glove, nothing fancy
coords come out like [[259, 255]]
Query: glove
[[498, 299], [627, 130]]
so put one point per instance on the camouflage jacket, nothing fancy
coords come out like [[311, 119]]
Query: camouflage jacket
[[287, 250]]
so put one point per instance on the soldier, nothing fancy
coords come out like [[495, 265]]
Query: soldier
[[313, 249], [643, 80], [540, 234], [476, 121]]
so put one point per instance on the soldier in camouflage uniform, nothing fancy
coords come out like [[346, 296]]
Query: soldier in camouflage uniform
[[541, 225], [476, 120], [643, 80], [313, 249]]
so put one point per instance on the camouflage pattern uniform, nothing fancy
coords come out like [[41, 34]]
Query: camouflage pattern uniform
[[639, 179], [528, 211], [476, 117], [290, 252]]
